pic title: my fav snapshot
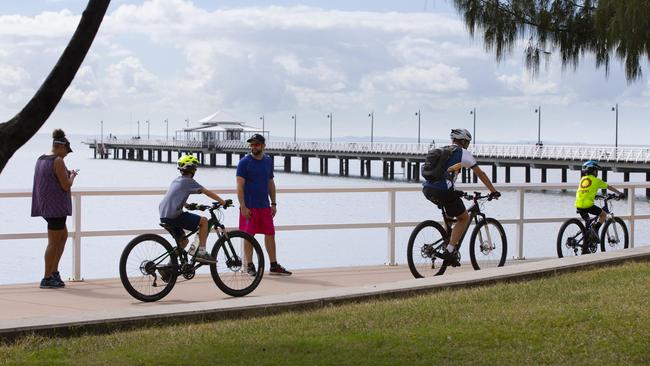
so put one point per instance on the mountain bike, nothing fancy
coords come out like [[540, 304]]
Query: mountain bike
[[488, 245], [576, 238], [150, 265]]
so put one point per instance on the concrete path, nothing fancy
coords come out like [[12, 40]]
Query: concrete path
[[104, 304]]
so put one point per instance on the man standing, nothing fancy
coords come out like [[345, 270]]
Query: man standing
[[254, 187]]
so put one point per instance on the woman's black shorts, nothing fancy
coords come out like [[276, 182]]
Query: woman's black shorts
[[448, 199], [55, 223]]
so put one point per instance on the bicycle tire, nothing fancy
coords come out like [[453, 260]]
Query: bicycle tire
[[606, 243], [420, 263], [227, 274], [483, 256], [135, 266], [565, 244]]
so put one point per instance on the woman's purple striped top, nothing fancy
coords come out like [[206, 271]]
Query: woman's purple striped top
[[48, 198]]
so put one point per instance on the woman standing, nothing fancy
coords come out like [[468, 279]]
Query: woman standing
[[51, 200]]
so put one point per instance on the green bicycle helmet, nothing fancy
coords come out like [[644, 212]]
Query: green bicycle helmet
[[188, 162]]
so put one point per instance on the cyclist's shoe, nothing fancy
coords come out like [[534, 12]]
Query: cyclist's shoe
[[165, 274], [204, 257], [451, 258], [250, 269], [278, 270], [57, 276], [51, 282]]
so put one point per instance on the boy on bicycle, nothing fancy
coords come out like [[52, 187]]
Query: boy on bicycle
[[171, 207], [587, 190], [442, 192]]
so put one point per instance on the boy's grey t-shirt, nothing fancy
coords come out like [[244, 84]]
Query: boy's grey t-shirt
[[172, 204]]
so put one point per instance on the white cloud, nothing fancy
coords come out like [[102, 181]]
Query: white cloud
[[526, 85], [437, 78]]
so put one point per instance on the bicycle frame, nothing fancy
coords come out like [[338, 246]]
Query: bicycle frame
[[475, 215]]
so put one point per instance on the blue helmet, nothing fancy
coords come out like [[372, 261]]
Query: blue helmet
[[590, 166]]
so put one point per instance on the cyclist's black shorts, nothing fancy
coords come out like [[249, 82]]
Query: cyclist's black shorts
[[185, 220], [448, 199], [594, 210], [55, 223]]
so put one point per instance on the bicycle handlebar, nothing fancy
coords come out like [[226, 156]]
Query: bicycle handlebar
[[214, 206], [609, 196], [477, 196]]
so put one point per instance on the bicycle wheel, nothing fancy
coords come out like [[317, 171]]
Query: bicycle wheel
[[229, 273], [488, 245], [428, 238], [145, 261], [570, 238], [614, 235]]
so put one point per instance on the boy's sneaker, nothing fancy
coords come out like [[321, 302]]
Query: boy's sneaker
[[250, 269], [57, 276], [279, 270], [165, 274], [204, 257], [51, 282], [451, 258]]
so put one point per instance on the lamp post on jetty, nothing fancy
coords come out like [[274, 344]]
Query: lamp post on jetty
[[372, 126], [138, 128], [418, 113], [294, 126], [166, 129], [147, 122], [101, 138], [330, 117], [473, 112], [615, 108], [539, 125]]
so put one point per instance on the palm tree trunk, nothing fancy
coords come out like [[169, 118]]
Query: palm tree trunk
[[18, 130]]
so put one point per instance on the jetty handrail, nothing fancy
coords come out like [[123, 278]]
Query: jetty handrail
[[627, 154], [77, 232]]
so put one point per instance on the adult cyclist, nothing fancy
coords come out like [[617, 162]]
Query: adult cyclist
[[586, 193], [443, 193]]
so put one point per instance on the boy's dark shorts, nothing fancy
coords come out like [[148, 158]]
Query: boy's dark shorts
[[186, 220], [448, 199], [55, 223], [594, 210]]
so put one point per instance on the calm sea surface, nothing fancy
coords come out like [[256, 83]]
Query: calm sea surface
[[23, 259]]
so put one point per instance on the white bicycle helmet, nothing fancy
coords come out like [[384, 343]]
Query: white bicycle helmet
[[460, 134]]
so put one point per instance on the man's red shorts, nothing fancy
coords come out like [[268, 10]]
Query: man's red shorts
[[260, 222]]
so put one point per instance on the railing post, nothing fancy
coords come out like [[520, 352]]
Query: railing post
[[632, 204], [76, 248], [391, 228], [520, 226]]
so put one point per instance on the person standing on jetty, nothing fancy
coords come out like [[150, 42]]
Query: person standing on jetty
[[51, 199], [254, 187]]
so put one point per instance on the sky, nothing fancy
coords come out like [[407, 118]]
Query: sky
[[175, 59]]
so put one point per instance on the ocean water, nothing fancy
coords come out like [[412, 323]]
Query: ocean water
[[23, 259]]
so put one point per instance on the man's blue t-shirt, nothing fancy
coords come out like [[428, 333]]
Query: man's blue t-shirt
[[257, 174]]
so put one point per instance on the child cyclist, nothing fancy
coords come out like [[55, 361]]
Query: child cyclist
[[171, 206], [587, 190]]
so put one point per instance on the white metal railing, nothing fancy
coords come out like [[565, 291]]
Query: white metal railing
[[545, 152], [77, 232]]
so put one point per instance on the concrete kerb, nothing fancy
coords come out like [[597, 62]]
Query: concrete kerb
[[248, 307]]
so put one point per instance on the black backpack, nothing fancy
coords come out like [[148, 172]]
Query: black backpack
[[433, 169]]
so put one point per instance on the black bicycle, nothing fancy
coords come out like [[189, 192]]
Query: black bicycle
[[576, 238], [150, 265], [487, 246]]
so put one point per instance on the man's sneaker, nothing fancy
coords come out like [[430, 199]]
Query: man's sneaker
[[279, 270], [51, 282], [250, 269], [451, 258], [204, 257], [57, 276]]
